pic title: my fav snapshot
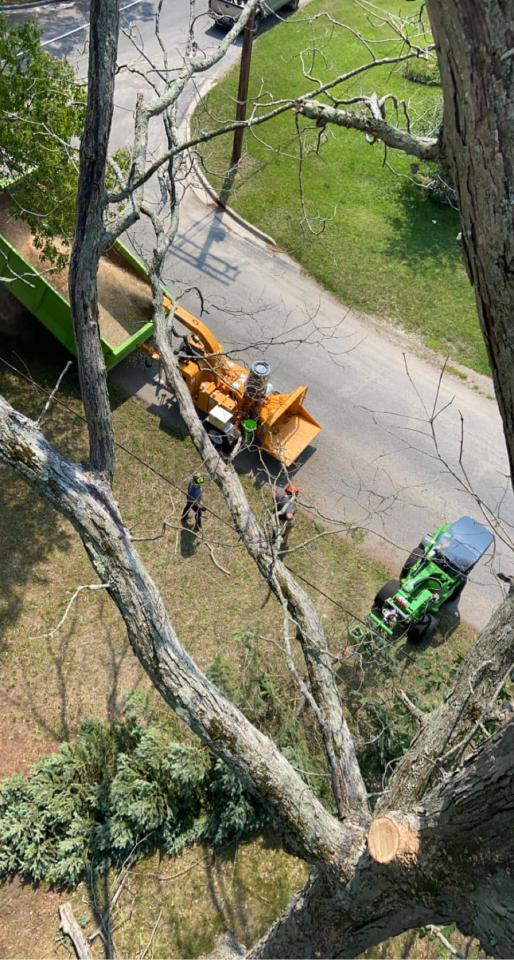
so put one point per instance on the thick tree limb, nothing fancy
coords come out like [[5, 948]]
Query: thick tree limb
[[456, 866], [103, 45], [425, 148], [468, 701], [70, 927], [347, 783], [87, 502], [474, 43]]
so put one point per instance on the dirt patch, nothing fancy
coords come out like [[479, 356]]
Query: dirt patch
[[22, 745], [30, 922], [125, 299]]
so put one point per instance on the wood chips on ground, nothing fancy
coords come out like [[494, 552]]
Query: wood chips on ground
[[125, 299]]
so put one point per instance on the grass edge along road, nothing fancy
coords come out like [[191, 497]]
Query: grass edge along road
[[382, 245]]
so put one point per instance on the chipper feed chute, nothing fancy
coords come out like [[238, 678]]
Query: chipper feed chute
[[286, 428]]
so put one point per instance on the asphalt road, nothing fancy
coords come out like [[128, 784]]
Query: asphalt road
[[372, 389]]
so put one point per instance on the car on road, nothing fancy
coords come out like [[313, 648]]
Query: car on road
[[226, 12]]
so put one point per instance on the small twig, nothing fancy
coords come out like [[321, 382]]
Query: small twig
[[156, 924], [53, 394], [420, 715], [172, 876], [85, 586], [440, 936], [216, 562]]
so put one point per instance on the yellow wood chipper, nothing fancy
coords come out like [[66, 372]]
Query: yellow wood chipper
[[238, 400]]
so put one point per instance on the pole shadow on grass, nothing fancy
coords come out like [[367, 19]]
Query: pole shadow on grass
[[226, 187], [227, 896]]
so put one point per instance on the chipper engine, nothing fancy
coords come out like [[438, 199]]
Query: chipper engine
[[432, 579], [238, 400]]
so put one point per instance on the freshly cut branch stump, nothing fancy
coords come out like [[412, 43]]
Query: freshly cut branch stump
[[392, 838]]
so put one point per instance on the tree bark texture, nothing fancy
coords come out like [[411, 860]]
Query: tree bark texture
[[475, 43], [307, 828], [476, 684], [347, 784], [89, 229], [458, 870], [425, 148]]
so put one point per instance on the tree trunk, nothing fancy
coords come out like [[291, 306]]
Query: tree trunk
[[475, 44], [445, 732], [348, 786], [454, 867], [89, 229], [307, 828]]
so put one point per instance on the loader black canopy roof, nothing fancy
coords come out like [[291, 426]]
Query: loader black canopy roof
[[463, 543]]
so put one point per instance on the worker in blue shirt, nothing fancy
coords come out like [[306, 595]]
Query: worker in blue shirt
[[285, 507], [194, 501]]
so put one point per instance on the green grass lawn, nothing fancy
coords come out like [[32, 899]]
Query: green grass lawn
[[51, 683], [386, 248]]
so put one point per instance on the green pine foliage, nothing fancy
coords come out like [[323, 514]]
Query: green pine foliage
[[120, 790], [123, 790]]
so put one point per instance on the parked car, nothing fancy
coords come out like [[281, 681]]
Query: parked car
[[226, 12]]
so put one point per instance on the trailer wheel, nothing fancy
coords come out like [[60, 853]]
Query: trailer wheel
[[424, 629], [294, 4], [385, 593]]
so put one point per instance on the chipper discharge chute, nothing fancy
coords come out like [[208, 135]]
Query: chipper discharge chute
[[238, 400], [432, 579]]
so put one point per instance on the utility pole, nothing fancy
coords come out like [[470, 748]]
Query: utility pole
[[242, 93]]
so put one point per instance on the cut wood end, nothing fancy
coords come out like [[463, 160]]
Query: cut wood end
[[383, 840], [389, 840]]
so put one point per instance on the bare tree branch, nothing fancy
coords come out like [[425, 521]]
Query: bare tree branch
[[423, 147]]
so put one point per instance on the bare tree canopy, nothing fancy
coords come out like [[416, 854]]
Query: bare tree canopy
[[438, 845]]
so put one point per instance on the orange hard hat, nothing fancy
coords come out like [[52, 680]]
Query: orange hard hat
[[292, 488]]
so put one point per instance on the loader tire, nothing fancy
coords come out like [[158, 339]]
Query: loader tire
[[424, 629], [385, 593], [413, 558]]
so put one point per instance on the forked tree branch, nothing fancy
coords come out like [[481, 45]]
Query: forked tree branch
[[306, 827], [103, 45], [425, 148]]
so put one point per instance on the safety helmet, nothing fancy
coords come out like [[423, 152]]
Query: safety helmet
[[292, 488], [198, 478]]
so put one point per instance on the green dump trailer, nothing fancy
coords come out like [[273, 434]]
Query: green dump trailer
[[124, 293]]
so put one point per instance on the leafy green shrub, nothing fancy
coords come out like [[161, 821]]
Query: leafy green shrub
[[40, 149]]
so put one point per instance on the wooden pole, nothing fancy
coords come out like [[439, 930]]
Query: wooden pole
[[242, 93]]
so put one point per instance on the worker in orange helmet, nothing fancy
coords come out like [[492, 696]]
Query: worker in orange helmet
[[285, 507]]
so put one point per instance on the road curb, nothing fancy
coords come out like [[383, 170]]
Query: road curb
[[34, 4], [250, 227]]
